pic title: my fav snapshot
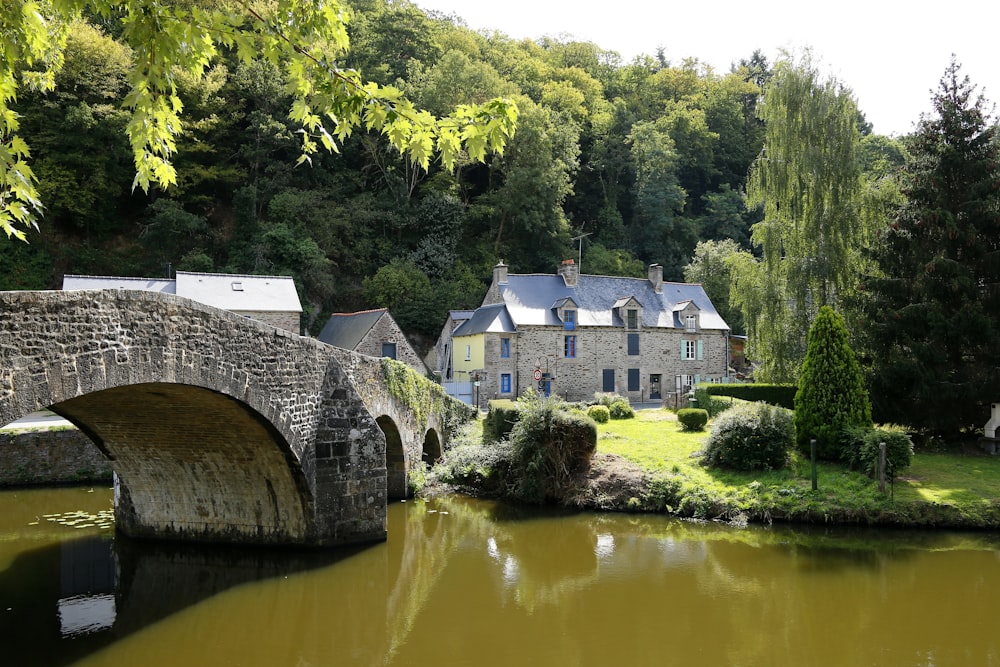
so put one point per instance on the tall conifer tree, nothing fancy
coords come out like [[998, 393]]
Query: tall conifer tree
[[932, 309]]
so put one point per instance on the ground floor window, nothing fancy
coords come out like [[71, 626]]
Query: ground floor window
[[505, 383], [389, 350], [633, 379]]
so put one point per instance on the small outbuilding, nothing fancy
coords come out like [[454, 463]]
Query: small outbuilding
[[371, 332]]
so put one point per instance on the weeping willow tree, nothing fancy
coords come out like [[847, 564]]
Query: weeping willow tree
[[807, 179]]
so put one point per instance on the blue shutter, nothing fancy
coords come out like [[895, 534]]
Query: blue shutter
[[682, 349], [701, 354]]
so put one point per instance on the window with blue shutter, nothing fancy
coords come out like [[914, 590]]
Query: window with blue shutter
[[505, 348], [569, 347], [633, 379], [633, 344], [505, 383]]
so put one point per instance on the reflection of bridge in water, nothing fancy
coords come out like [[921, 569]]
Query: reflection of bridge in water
[[219, 428]]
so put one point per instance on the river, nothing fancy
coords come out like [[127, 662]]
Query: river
[[470, 582]]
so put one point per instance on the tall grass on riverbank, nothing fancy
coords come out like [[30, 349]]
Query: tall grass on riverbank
[[938, 489]]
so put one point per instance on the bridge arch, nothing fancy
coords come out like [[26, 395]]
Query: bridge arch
[[222, 400]]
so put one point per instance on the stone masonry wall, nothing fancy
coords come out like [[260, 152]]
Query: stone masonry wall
[[598, 349], [59, 346], [386, 331], [51, 457]]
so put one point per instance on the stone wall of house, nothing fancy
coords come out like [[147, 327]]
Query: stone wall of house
[[387, 331], [283, 320], [598, 349], [60, 456]]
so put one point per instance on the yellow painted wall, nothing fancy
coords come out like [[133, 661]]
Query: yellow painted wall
[[476, 358]]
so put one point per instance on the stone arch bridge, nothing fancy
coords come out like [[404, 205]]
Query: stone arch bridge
[[220, 428]]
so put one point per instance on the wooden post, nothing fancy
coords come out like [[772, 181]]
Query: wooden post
[[881, 467], [812, 458]]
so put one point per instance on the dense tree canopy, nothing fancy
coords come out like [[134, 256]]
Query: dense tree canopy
[[930, 319]]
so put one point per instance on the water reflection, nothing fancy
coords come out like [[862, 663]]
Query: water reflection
[[467, 582]]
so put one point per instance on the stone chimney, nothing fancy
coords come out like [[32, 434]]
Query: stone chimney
[[500, 273], [656, 277], [570, 272]]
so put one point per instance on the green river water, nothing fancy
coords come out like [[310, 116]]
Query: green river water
[[470, 582]]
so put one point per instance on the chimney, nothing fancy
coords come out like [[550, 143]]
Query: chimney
[[570, 272], [500, 273], [656, 277]]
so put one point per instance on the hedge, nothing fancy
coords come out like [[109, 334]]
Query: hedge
[[782, 395]]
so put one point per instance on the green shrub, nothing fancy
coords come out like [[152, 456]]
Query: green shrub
[[550, 446], [782, 395], [751, 436], [860, 449], [832, 394], [599, 413], [607, 398], [706, 401], [692, 419], [500, 419], [621, 410]]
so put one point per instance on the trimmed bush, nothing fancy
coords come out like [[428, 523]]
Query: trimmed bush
[[692, 419], [621, 410], [832, 394], [751, 436], [782, 395], [599, 413], [860, 449], [500, 419]]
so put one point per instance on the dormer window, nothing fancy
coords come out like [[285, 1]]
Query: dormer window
[[632, 318], [691, 323], [569, 319]]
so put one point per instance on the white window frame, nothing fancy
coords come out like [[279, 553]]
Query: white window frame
[[690, 351]]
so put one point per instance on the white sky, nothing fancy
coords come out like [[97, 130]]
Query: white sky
[[890, 53]]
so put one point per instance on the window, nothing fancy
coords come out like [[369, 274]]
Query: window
[[608, 380], [632, 318], [505, 348], [389, 350], [633, 344], [685, 382], [689, 349], [468, 353], [691, 322], [505, 383], [633, 379], [569, 320], [569, 347]]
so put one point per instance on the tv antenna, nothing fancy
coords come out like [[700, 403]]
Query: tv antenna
[[579, 261]]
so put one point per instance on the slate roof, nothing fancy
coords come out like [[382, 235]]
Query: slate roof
[[232, 292], [165, 285], [493, 318], [240, 292], [529, 298], [347, 330]]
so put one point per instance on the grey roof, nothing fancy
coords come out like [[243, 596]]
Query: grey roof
[[347, 330], [233, 292], [493, 318], [529, 299], [165, 285], [240, 292], [459, 315]]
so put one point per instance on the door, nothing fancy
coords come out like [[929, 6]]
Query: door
[[654, 387]]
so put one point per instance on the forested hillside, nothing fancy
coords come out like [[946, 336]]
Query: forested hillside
[[637, 161]]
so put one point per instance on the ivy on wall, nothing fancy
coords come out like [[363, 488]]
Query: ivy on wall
[[423, 396]]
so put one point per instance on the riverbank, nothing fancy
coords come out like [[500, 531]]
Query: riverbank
[[648, 464]]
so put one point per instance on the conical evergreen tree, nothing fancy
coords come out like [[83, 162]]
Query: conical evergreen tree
[[832, 393], [931, 309]]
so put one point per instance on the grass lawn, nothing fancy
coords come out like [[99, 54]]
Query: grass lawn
[[938, 489]]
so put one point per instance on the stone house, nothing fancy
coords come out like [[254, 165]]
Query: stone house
[[575, 335], [371, 332], [270, 299]]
